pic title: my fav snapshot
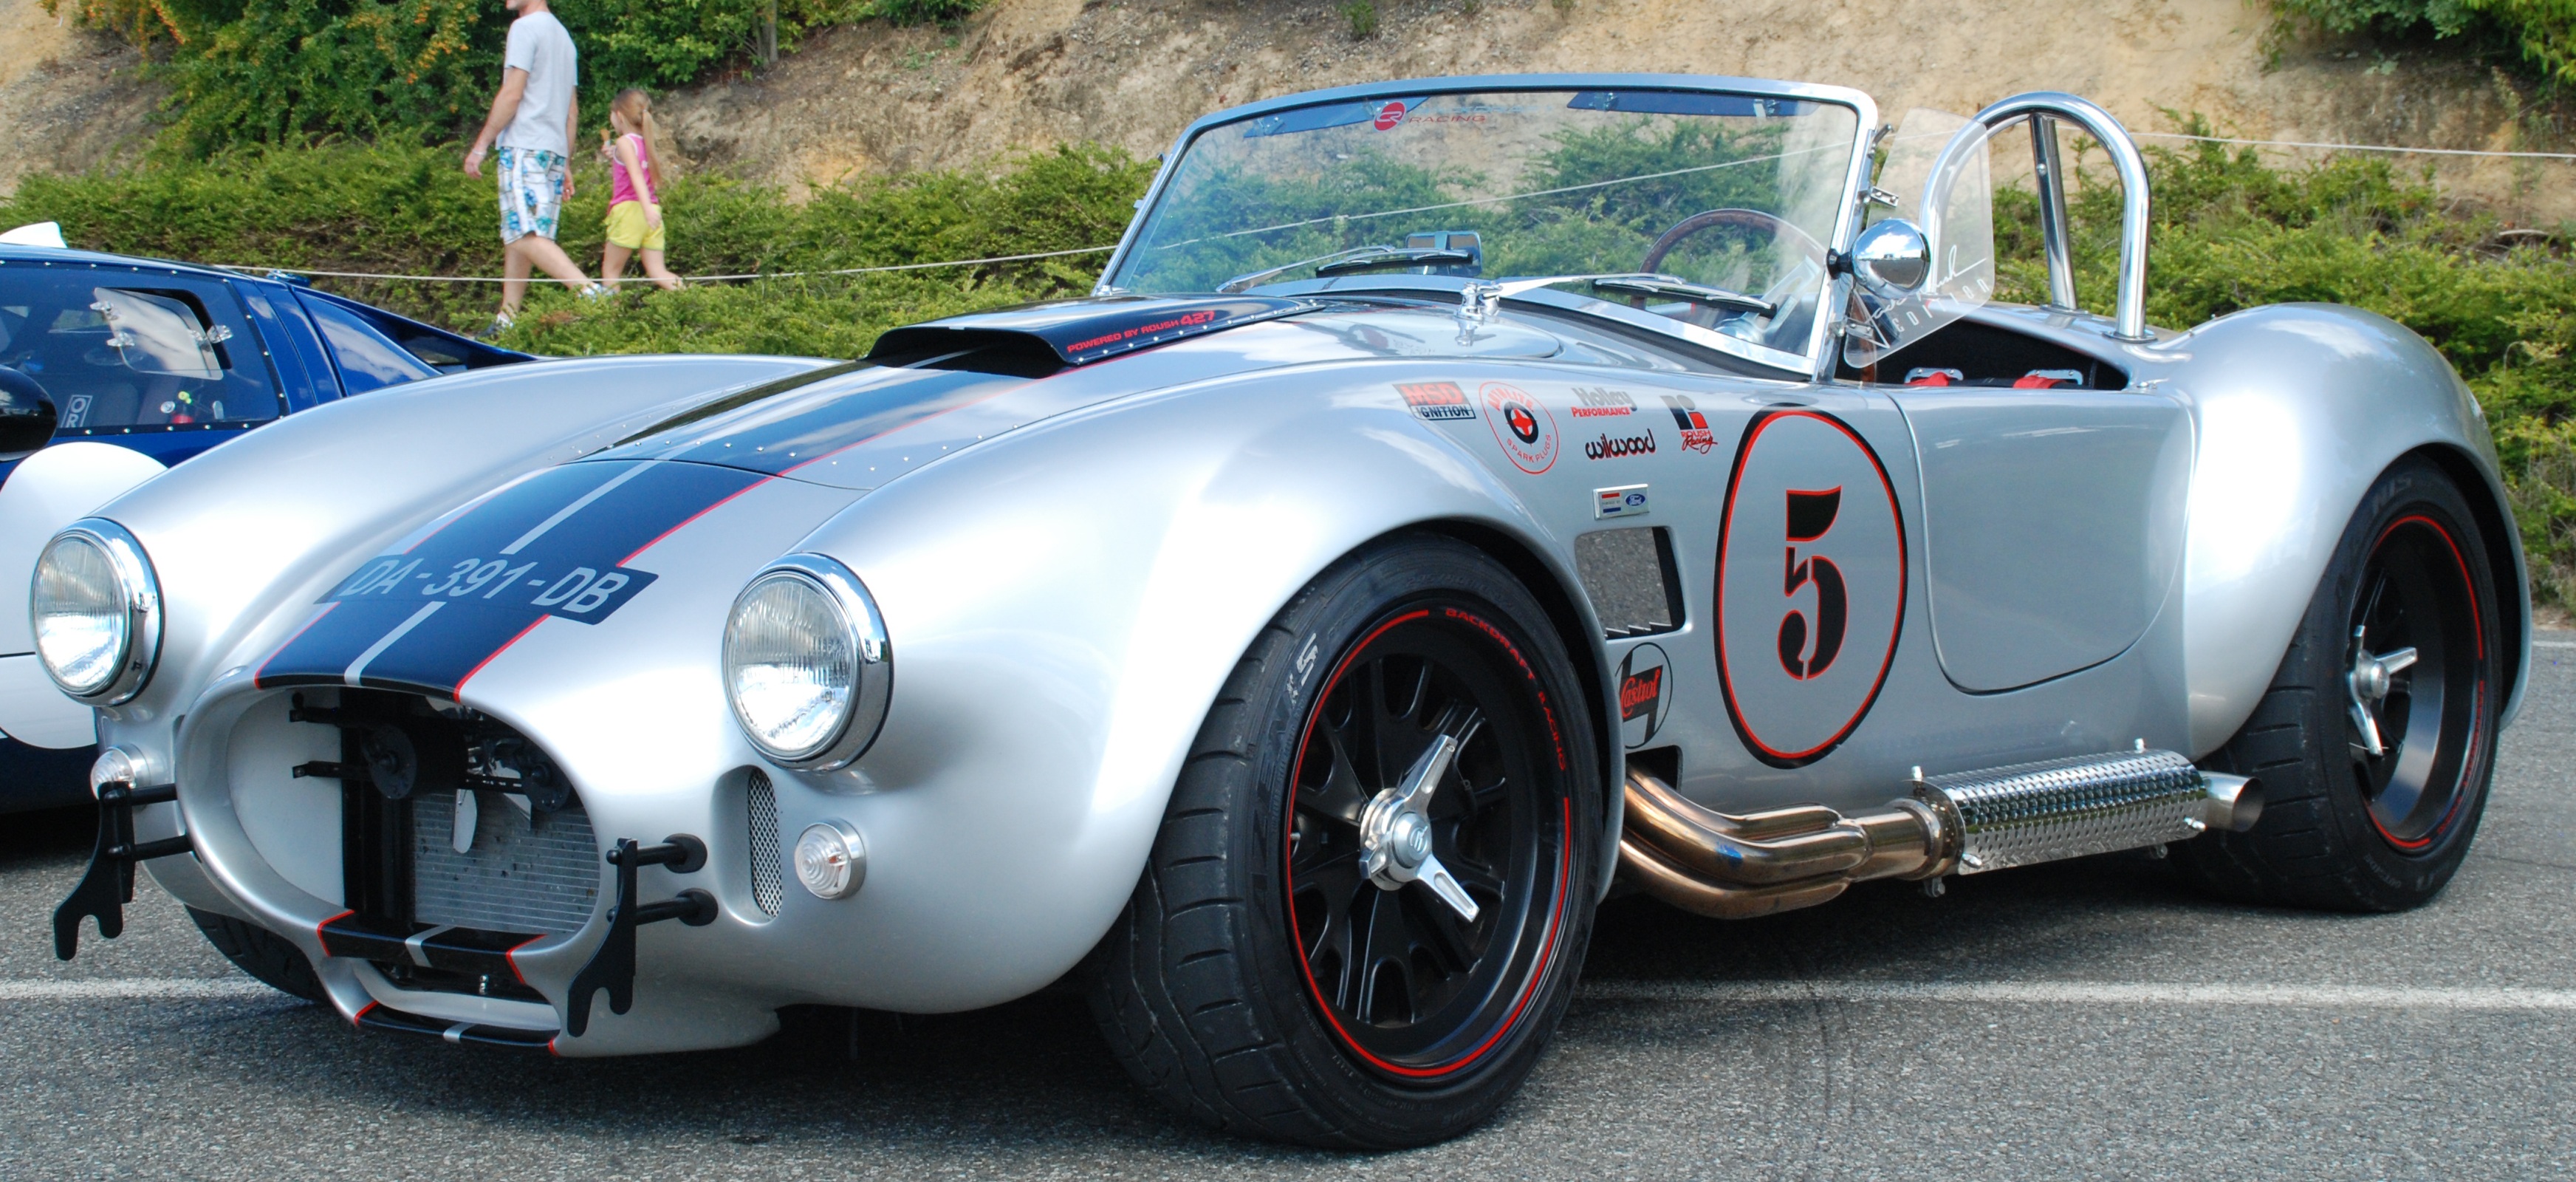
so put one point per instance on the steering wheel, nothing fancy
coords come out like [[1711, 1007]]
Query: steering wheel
[[1742, 219]]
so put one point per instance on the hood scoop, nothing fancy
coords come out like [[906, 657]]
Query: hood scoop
[[1035, 340]]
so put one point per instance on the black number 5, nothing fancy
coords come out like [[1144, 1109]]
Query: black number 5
[[1811, 514]]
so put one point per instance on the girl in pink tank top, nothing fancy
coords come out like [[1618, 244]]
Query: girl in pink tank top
[[634, 192]]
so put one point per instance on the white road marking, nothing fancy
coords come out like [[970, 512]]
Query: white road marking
[[2093, 993], [2553, 644], [136, 989], [2077, 993]]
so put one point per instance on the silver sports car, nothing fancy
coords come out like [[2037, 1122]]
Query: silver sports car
[[1461, 499]]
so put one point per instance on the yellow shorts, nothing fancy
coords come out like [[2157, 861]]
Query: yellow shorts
[[627, 227]]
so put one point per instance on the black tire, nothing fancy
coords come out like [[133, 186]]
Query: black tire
[[2341, 829], [1206, 989], [261, 953]]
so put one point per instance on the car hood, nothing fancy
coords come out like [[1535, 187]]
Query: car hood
[[935, 389]]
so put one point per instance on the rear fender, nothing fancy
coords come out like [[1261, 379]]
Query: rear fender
[[2299, 408]]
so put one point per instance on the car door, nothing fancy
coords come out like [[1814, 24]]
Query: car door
[[2052, 523]]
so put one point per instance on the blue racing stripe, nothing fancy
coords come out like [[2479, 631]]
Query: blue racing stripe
[[801, 425], [426, 618]]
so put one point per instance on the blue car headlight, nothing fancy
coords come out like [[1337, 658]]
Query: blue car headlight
[[807, 667]]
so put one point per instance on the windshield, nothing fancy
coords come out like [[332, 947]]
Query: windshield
[[1730, 193]]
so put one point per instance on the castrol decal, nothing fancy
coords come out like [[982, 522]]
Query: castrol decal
[[1645, 694], [1522, 426], [1811, 574]]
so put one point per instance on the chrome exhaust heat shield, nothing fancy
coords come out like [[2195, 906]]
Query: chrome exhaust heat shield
[[1738, 867]]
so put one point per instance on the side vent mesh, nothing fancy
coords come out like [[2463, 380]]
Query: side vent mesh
[[1631, 579], [768, 867]]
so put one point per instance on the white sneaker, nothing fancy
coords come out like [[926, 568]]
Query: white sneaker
[[594, 292]]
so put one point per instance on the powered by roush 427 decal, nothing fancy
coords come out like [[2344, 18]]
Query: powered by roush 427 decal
[[1810, 585], [556, 545]]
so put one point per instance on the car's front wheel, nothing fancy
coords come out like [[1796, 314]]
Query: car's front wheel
[[1372, 890]]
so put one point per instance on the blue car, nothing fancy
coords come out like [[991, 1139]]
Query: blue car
[[113, 368]]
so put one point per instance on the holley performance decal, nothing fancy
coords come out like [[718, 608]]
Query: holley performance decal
[[428, 617], [1591, 402]]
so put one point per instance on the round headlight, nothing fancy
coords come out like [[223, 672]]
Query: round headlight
[[806, 664], [96, 612]]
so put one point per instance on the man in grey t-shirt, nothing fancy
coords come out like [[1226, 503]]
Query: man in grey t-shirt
[[534, 121]]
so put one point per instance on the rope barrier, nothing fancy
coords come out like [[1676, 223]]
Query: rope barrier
[[1007, 258], [2217, 139]]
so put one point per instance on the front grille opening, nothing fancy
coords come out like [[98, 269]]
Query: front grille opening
[[768, 863], [457, 832]]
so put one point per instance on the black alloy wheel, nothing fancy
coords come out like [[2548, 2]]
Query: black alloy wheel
[[2376, 740], [1410, 985], [1373, 887], [2415, 733]]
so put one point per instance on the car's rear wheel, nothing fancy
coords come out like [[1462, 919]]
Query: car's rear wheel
[[2376, 740], [261, 953], [1372, 889]]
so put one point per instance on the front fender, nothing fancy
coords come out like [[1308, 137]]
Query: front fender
[[1064, 605], [2298, 409]]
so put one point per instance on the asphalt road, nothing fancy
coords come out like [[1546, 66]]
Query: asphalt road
[[2077, 1021]]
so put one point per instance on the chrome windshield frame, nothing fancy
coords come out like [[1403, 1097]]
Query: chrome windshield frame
[[1818, 359]]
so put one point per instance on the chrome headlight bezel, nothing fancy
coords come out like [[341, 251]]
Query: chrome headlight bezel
[[140, 591], [862, 628]]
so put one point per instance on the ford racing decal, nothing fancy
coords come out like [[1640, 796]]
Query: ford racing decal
[[427, 617]]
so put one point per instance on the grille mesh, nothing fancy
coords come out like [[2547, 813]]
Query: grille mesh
[[522, 874], [768, 869]]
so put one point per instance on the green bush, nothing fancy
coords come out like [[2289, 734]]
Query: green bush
[[2232, 233], [2543, 32], [399, 209]]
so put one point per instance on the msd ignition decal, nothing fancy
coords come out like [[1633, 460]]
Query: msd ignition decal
[[1593, 403], [1436, 400], [1693, 425], [427, 617], [1810, 585], [1645, 694], [1525, 429]]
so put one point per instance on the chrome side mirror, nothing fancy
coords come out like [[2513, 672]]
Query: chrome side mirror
[[1893, 257]]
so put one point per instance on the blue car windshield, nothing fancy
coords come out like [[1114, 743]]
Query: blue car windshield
[[1737, 192]]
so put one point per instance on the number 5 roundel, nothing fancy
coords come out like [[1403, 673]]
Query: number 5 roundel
[[1810, 585]]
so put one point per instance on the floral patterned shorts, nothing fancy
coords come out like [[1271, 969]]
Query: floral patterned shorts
[[532, 190]]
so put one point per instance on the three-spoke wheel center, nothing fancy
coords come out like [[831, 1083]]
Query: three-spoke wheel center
[[2372, 676], [1395, 831]]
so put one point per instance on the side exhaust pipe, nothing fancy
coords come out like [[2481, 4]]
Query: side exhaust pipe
[[1738, 867]]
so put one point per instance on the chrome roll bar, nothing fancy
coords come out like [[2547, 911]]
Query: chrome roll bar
[[2043, 108]]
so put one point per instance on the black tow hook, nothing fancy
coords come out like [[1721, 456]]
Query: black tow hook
[[613, 967], [109, 885]]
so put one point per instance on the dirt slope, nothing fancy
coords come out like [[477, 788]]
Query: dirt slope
[[1028, 73], [1132, 72], [68, 98]]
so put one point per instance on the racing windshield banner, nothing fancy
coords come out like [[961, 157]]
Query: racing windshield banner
[[425, 618]]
